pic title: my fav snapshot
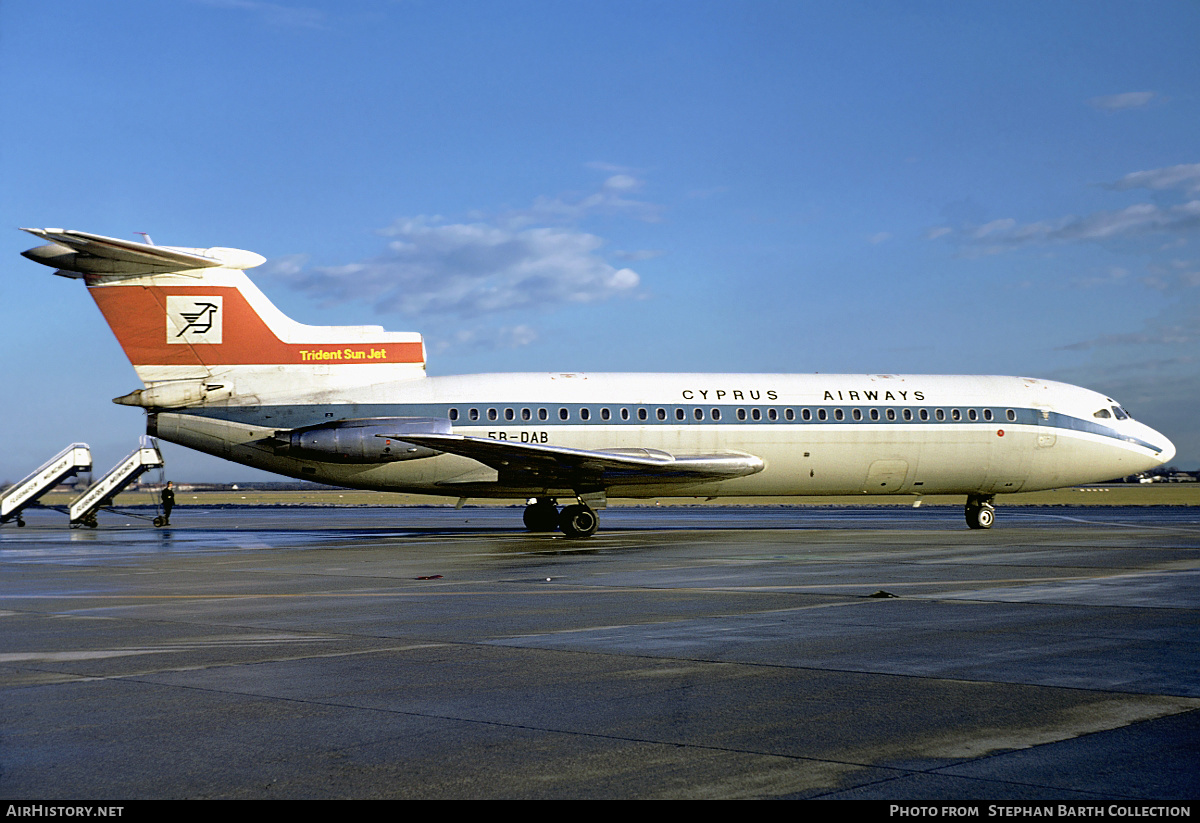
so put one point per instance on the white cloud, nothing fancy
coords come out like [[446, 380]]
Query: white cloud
[[486, 339], [1185, 176], [1134, 221], [473, 269], [611, 200], [287, 266], [517, 262], [1122, 102], [639, 254], [1175, 276]]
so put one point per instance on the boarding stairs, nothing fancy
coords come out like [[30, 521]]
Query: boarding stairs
[[100, 494], [74, 458]]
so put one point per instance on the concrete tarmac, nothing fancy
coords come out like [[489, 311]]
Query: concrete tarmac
[[305, 652]]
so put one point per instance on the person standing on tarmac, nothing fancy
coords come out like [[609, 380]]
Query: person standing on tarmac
[[168, 502]]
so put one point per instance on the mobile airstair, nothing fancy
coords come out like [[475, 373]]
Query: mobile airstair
[[101, 493], [74, 458]]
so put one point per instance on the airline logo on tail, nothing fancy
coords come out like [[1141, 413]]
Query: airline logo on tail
[[194, 319]]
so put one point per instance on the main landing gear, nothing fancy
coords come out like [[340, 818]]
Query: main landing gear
[[576, 520], [981, 514]]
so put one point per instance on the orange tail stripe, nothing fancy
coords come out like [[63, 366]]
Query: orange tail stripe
[[137, 316]]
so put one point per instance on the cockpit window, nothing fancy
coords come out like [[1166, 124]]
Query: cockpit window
[[1120, 413], [1102, 414]]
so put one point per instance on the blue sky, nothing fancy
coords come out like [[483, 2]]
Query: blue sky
[[917, 187]]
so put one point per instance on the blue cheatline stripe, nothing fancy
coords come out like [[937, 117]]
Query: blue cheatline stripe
[[1063, 421], [287, 417]]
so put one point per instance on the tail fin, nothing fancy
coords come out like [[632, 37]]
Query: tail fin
[[198, 331]]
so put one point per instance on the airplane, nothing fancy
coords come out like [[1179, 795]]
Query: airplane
[[227, 373]]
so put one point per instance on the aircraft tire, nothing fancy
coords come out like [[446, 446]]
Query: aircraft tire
[[159, 522], [541, 517], [578, 521], [981, 516]]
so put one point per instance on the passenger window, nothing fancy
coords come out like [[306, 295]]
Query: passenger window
[[891, 414], [641, 414], [698, 414], [680, 414], [716, 414], [789, 414], [755, 414], [972, 415], [806, 414], [563, 414], [856, 414], [838, 414], [585, 413], [661, 414], [908, 414], [473, 414], [624, 414], [940, 414], [509, 414], [821, 415], [874, 414], [1011, 415], [543, 414], [453, 414], [492, 414], [923, 414], [955, 414], [987, 415]]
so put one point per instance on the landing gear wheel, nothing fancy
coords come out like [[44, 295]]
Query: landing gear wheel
[[980, 515], [541, 516], [91, 522], [578, 521], [159, 522]]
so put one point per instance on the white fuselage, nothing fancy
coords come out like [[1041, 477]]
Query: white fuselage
[[815, 434]]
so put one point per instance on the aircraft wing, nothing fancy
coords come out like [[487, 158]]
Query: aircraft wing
[[538, 464]]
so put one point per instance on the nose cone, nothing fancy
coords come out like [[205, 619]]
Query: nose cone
[[1163, 450], [1168, 449]]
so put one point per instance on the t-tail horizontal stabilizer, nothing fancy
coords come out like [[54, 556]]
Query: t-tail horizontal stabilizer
[[76, 253]]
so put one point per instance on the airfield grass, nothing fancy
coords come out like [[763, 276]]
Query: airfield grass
[[1153, 494]]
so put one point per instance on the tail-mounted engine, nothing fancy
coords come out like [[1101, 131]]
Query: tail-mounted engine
[[359, 440]]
